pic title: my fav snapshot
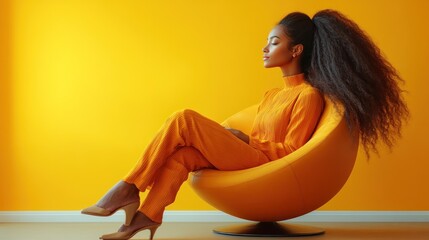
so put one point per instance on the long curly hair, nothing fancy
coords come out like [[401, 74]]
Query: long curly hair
[[343, 62]]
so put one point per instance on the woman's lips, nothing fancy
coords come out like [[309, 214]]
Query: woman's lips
[[265, 58]]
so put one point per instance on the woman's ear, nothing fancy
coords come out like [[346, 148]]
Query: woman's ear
[[297, 49]]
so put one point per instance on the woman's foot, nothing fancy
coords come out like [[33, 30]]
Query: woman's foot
[[140, 222], [121, 194]]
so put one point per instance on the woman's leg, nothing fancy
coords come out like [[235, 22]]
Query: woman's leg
[[165, 187], [169, 179], [189, 129], [187, 142]]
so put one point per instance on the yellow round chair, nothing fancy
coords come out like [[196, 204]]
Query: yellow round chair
[[286, 188]]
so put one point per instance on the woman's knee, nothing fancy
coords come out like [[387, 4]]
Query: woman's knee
[[187, 113], [184, 115]]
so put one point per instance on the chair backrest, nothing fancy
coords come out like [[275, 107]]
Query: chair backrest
[[242, 120], [288, 187], [323, 165]]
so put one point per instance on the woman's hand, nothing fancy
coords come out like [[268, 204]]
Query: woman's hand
[[242, 136]]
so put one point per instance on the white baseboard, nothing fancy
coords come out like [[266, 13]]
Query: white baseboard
[[217, 216]]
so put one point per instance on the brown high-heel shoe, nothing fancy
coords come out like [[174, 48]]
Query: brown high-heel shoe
[[130, 210], [130, 234]]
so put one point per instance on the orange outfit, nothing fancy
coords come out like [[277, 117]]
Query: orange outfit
[[286, 117], [189, 141]]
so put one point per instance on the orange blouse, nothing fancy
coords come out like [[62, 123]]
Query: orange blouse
[[287, 117]]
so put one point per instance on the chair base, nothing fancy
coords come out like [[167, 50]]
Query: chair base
[[268, 229]]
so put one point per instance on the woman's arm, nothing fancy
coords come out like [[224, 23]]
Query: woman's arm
[[303, 121]]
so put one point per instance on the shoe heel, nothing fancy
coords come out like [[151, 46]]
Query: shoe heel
[[130, 211], [152, 231]]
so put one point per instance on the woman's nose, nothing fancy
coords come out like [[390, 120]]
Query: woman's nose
[[265, 49]]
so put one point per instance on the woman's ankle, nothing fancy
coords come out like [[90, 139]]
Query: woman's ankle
[[130, 190]]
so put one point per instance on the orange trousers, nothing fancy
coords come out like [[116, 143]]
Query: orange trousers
[[187, 142]]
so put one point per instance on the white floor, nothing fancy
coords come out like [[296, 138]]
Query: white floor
[[170, 231]]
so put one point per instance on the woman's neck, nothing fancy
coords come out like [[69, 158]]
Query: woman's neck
[[291, 69]]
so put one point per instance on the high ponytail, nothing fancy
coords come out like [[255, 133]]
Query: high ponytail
[[350, 69]]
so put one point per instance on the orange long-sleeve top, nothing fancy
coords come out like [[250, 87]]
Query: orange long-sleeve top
[[287, 117]]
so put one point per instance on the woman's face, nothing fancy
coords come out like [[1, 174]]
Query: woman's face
[[277, 52]]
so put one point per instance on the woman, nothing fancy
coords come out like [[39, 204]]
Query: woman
[[327, 55]]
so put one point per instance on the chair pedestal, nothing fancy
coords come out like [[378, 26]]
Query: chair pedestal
[[268, 229]]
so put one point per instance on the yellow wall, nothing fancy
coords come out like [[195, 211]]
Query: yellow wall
[[86, 84]]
